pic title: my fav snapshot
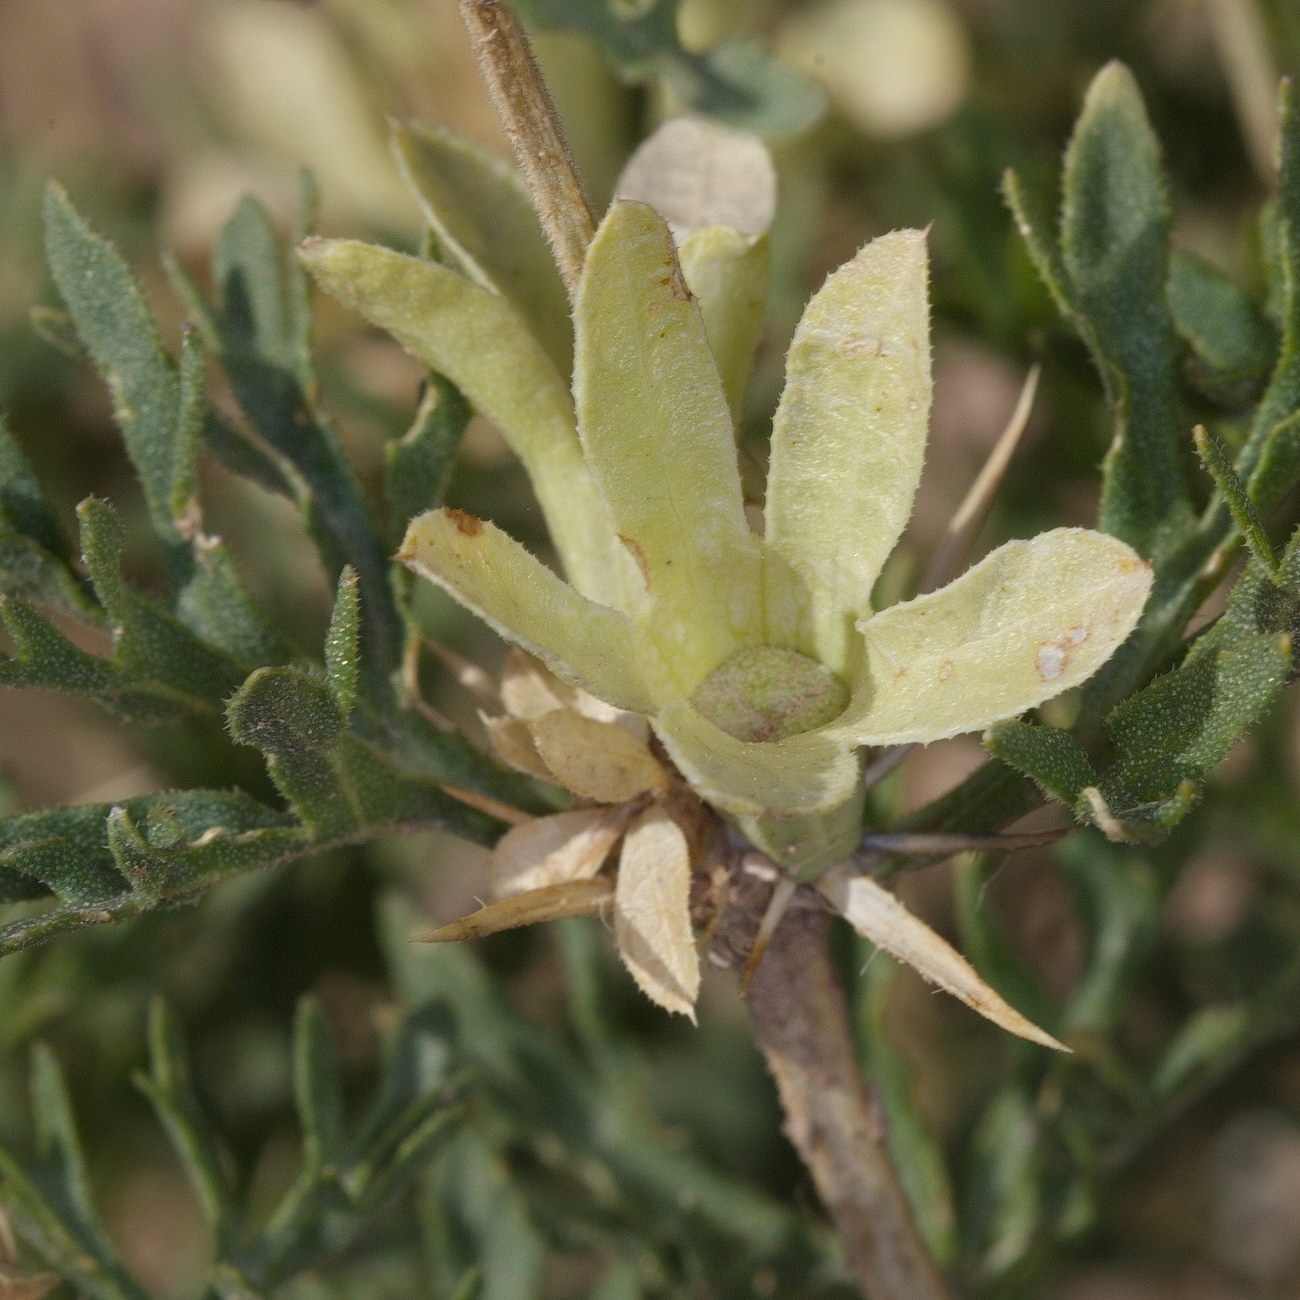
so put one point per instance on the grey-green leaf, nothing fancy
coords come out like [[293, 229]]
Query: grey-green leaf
[[1115, 228]]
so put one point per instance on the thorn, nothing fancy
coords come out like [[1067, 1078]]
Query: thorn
[[551, 903], [943, 845], [953, 551], [486, 804], [884, 763], [776, 909]]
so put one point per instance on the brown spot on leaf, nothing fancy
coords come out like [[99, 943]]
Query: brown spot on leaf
[[465, 523], [638, 554]]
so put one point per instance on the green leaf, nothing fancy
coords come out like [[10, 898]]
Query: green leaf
[[1168, 735], [1049, 756], [480, 1202], [737, 81], [916, 1153], [23, 507], [1207, 1037], [742, 83], [343, 643], [30, 572], [152, 406], [340, 786], [60, 1148], [1277, 465], [317, 1086], [74, 853], [259, 332], [1115, 248], [161, 410], [1119, 906], [478, 206], [170, 1091], [1282, 397], [1231, 344], [150, 646], [417, 467], [1003, 1194], [1251, 527]]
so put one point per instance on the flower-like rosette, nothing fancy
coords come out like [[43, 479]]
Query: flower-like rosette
[[718, 604]]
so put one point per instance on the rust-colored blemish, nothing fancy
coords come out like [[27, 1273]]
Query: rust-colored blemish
[[635, 551], [469, 525], [1053, 656], [675, 282], [945, 670]]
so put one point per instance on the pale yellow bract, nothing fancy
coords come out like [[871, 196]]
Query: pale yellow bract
[[758, 659]]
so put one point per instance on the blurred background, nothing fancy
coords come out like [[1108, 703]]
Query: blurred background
[[158, 115]]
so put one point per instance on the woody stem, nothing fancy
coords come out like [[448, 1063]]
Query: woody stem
[[802, 1027]]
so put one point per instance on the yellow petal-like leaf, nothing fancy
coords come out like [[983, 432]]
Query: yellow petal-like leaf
[[554, 903], [513, 743], [657, 434], [492, 575], [554, 850], [597, 760], [483, 346], [877, 915], [809, 773], [697, 173], [1029, 621], [848, 438], [652, 913], [478, 206], [728, 272]]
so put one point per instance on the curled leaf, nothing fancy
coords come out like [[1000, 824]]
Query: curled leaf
[[554, 850], [877, 915], [554, 903], [598, 760], [652, 915]]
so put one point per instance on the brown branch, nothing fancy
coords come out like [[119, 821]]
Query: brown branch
[[528, 115], [802, 1027]]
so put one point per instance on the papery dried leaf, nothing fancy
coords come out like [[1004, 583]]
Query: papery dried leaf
[[652, 917], [554, 850], [554, 903], [877, 915], [697, 173], [529, 689], [597, 760], [513, 743]]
